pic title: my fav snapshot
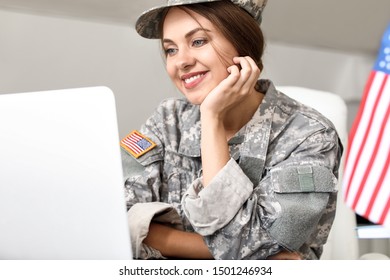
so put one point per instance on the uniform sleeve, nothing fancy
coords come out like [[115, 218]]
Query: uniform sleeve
[[140, 216], [142, 181], [208, 214], [142, 176], [291, 207]]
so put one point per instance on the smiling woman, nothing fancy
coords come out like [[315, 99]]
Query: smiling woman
[[238, 170]]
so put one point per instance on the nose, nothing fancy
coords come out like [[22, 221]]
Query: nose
[[185, 59]]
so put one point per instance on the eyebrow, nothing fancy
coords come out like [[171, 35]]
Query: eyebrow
[[189, 34]]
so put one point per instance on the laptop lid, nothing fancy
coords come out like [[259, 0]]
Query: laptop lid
[[61, 184]]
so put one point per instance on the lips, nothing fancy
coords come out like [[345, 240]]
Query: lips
[[191, 80]]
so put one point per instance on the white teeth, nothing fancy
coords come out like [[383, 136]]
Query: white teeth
[[189, 80]]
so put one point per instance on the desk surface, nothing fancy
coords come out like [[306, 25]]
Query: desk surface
[[372, 231]]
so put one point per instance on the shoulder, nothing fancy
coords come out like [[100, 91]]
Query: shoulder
[[285, 108], [295, 124], [294, 108], [294, 120]]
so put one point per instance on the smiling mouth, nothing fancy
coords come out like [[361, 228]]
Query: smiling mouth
[[193, 78]]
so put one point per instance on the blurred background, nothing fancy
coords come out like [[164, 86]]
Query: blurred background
[[50, 44]]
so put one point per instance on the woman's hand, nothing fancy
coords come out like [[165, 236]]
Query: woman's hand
[[232, 90]]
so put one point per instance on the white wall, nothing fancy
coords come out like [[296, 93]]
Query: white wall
[[330, 70], [40, 53]]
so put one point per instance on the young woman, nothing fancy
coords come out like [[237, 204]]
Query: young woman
[[236, 169]]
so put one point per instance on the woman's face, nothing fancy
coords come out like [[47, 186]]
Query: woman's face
[[197, 54]]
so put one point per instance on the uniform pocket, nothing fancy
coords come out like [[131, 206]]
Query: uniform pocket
[[303, 194]]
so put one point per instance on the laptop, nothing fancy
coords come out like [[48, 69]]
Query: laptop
[[61, 184]]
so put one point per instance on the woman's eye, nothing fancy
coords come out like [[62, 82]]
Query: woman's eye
[[170, 51], [199, 42]]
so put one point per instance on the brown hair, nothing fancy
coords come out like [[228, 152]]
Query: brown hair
[[235, 24]]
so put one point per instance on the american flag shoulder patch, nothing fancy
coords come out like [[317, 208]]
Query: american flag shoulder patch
[[137, 144]]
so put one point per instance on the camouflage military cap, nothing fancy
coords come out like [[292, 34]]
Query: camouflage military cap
[[148, 23]]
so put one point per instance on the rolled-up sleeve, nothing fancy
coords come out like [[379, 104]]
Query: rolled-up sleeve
[[207, 214]]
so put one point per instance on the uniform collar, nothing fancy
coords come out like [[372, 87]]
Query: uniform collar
[[257, 131], [253, 151], [190, 138]]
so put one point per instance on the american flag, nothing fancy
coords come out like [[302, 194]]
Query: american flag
[[366, 182], [137, 144]]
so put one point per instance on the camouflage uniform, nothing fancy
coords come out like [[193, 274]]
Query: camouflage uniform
[[278, 191]]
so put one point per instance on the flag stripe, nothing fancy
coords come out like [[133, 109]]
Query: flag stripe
[[378, 184], [376, 145], [133, 143], [353, 149], [370, 162], [385, 214], [377, 190], [132, 139], [360, 139], [130, 143], [384, 171]]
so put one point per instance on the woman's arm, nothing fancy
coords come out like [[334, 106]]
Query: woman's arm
[[215, 111], [187, 245], [175, 243]]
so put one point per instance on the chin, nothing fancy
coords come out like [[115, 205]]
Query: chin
[[193, 98]]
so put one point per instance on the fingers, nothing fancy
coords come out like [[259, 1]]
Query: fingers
[[249, 73], [243, 75], [234, 72]]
